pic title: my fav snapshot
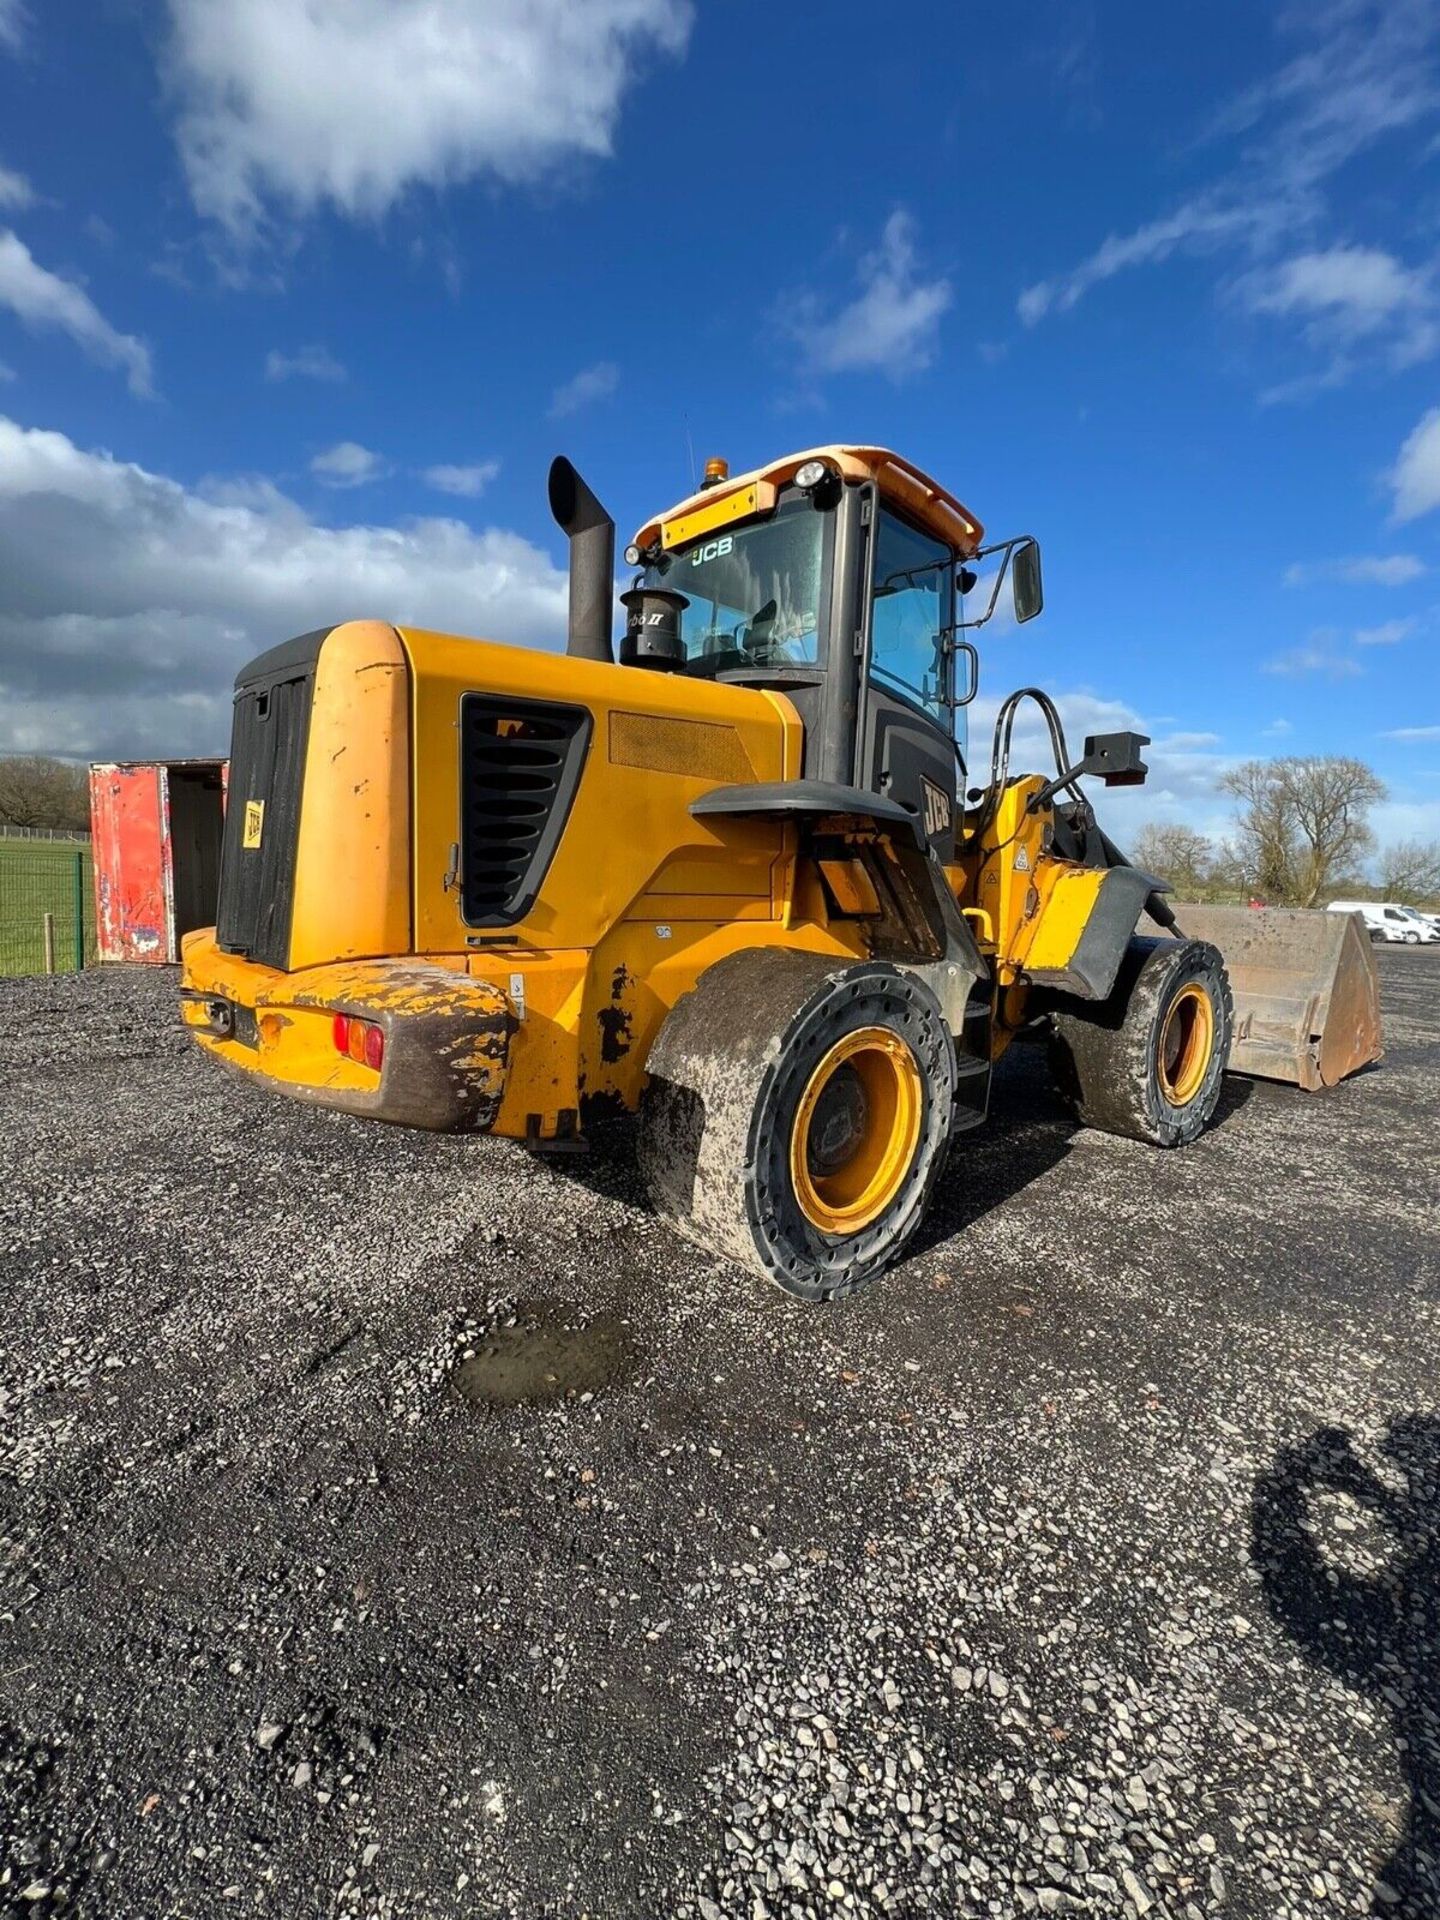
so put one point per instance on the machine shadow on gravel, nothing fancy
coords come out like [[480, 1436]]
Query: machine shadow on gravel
[[1377, 1630], [1029, 1130]]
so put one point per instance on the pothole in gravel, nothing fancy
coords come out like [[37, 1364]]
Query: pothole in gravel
[[545, 1356]]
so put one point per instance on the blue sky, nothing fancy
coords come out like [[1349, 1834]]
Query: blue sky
[[296, 302]]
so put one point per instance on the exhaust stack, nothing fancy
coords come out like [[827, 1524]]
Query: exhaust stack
[[591, 533]]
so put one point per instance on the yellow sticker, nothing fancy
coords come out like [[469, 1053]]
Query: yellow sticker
[[254, 822]]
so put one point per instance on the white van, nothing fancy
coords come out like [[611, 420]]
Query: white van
[[1386, 921]]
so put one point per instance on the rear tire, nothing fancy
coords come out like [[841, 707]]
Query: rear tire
[[1148, 1062], [797, 1116]]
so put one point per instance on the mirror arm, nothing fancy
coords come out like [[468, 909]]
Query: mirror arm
[[996, 585], [1006, 549]]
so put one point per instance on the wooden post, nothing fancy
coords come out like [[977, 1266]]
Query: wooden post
[[49, 943]]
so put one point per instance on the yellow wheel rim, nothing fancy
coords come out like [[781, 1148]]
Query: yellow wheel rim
[[856, 1130], [1187, 1041]]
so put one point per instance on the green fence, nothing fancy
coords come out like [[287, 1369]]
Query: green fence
[[38, 878]]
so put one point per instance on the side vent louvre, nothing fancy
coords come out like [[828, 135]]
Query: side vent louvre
[[520, 763]]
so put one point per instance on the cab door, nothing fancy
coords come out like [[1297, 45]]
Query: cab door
[[907, 749]]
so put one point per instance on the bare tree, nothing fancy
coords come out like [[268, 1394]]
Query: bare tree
[[1264, 848], [1410, 872], [39, 792], [1302, 821], [1178, 854]]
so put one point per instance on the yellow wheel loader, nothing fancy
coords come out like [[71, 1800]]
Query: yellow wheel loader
[[733, 885]]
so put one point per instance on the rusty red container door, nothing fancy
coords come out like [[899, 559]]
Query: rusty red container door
[[156, 828], [130, 831]]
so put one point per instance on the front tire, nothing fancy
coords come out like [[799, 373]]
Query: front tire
[[1148, 1062], [797, 1116]]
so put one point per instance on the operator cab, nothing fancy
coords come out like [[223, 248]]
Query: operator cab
[[835, 577]]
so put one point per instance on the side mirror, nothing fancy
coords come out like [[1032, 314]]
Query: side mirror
[[1025, 581]]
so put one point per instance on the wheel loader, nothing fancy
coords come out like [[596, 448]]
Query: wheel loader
[[738, 888]]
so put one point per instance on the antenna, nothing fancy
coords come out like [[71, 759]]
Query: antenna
[[690, 449]]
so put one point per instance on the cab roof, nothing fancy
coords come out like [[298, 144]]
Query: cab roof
[[920, 498]]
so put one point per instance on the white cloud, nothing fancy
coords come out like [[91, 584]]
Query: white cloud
[[42, 299], [1319, 654], [1200, 224], [16, 192], [586, 387], [1185, 768], [348, 464], [1189, 742], [1358, 570], [127, 601], [891, 326], [1412, 733], [1364, 284], [1347, 295], [354, 102], [1360, 75], [1387, 634], [306, 363], [469, 482], [1415, 477], [13, 22], [1277, 729]]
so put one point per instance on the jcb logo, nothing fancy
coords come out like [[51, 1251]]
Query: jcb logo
[[937, 808], [712, 550], [254, 823]]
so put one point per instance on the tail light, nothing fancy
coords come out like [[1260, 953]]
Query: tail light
[[359, 1040]]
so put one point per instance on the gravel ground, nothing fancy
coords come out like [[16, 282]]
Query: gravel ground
[[1089, 1564]]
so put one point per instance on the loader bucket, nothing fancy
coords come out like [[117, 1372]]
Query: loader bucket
[[1307, 1000]]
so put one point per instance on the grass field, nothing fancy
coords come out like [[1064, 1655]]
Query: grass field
[[38, 877]]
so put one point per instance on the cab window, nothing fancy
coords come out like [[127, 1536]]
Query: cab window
[[914, 585]]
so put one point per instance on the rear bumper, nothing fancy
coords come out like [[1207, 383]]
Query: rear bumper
[[447, 1035]]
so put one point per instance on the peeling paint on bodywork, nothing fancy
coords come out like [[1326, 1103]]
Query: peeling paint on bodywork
[[616, 1020], [447, 1038]]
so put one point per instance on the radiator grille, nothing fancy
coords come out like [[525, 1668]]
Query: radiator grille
[[695, 747], [520, 762]]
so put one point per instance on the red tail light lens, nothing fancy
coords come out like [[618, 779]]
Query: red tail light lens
[[359, 1040]]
